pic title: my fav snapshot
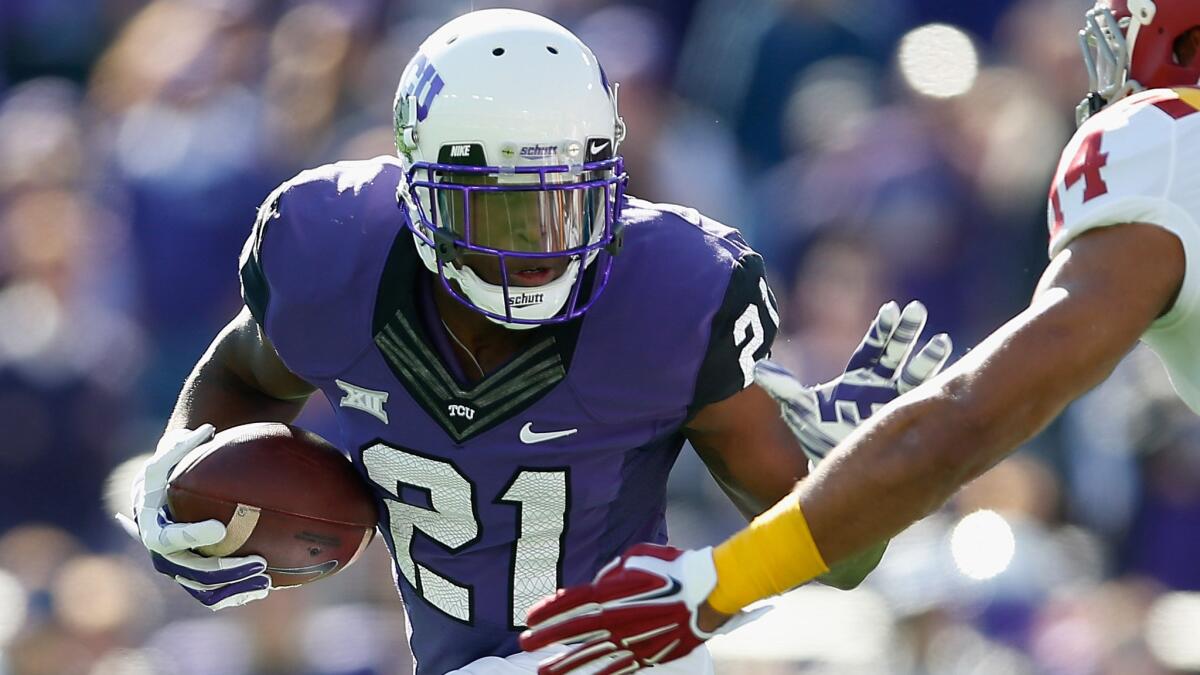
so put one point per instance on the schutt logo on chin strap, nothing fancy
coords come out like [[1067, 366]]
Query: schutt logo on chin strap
[[527, 300]]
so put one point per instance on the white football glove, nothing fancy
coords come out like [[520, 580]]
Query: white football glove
[[216, 582], [880, 370]]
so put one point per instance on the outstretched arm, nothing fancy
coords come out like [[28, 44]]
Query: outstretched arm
[[1094, 301], [756, 460], [752, 448]]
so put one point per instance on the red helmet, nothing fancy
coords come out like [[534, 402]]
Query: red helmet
[[1129, 45]]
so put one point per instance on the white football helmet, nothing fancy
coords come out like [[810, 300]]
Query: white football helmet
[[507, 130]]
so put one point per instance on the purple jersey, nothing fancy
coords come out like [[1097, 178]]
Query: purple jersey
[[494, 494]]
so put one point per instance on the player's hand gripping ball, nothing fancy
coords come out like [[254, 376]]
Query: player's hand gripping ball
[[256, 507]]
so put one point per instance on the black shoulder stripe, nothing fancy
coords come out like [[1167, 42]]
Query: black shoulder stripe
[[743, 331], [255, 290]]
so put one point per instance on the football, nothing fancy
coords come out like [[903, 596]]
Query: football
[[284, 493]]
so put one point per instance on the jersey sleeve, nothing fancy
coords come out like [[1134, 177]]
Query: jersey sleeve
[[1124, 165], [1116, 169], [310, 267], [743, 331]]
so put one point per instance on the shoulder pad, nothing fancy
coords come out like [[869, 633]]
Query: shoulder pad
[[1118, 165], [681, 294], [311, 265]]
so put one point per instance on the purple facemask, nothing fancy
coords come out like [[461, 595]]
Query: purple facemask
[[492, 229]]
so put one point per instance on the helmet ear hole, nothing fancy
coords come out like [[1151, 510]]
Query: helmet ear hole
[[1187, 47], [498, 51]]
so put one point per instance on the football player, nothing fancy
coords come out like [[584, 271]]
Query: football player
[[516, 350], [1125, 264]]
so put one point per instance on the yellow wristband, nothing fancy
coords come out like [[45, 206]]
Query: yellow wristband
[[774, 554]]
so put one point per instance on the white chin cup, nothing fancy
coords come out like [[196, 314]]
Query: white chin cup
[[536, 303], [532, 303]]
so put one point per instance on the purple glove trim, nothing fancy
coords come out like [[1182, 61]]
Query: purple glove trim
[[259, 582], [225, 576]]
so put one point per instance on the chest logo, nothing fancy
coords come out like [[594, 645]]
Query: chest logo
[[529, 436], [369, 401], [456, 410]]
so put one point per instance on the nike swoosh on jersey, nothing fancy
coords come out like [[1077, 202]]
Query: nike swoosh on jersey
[[529, 436]]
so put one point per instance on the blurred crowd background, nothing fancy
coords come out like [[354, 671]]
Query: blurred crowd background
[[871, 149]]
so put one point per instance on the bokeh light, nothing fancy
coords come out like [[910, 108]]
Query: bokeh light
[[125, 662], [1171, 629], [982, 544], [119, 485], [814, 623], [94, 594], [12, 606], [938, 60]]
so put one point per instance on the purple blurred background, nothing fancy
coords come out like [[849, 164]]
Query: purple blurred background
[[867, 154]]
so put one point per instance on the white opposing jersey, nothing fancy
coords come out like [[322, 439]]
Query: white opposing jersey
[[1138, 161]]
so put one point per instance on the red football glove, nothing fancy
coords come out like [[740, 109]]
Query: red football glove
[[639, 611]]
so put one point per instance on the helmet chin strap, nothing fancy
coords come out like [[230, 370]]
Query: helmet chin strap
[[551, 297]]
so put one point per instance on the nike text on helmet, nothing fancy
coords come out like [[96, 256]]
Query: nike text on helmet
[[507, 130], [1129, 45]]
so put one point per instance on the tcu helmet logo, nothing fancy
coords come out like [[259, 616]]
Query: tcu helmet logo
[[461, 411], [423, 82]]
